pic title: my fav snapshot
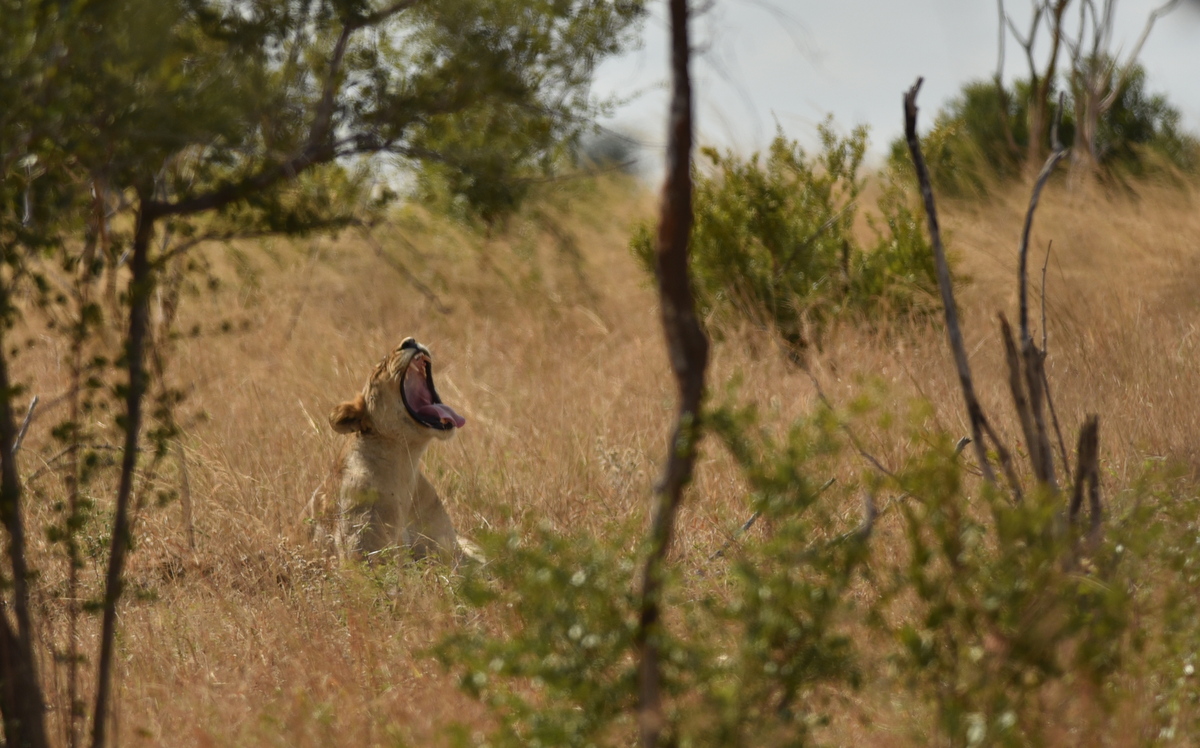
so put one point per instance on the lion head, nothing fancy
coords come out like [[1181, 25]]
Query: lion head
[[399, 400]]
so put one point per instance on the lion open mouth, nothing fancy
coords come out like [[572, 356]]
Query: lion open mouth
[[421, 398]]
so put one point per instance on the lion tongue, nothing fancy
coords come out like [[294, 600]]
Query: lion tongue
[[442, 413]]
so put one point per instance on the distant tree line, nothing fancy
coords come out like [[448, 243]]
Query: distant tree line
[[1114, 126]]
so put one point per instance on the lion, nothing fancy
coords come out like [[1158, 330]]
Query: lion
[[383, 500]]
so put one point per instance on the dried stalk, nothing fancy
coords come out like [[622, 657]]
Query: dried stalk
[[1023, 252], [1041, 453]]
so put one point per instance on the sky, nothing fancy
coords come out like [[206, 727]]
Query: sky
[[763, 63]]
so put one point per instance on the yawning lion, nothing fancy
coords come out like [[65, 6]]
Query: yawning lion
[[383, 500]]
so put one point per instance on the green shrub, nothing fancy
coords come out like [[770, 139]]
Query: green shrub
[[1141, 135], [748, 640], [557, 667], [968, 153], [996, 612], [1012, 628], [773, 241]]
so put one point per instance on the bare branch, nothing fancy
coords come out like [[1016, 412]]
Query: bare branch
[[1023, 251], [1062, 445], [1001, 91], [1035, 378], [1107, 102], [1016, 386], [945, 284], [1045, 264]]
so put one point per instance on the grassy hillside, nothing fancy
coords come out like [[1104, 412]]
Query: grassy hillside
[[545, 336]]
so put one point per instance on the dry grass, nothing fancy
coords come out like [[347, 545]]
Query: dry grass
[[551, 349]]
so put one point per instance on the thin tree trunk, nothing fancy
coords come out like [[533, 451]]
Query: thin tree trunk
[[1040, 90], [140, 285], [687, 346], [21, 699]]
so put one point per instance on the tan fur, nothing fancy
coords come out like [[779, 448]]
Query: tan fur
[[383, 500]]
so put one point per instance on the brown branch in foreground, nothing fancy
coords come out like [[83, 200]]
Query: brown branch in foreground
[[1016, 386], [945, 284], [687, 347]]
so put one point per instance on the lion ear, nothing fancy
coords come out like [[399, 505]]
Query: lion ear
[[350, 416]]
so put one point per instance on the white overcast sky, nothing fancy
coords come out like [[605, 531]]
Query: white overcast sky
[[792, 62]]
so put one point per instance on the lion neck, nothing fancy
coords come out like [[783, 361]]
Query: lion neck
[[390, 459]]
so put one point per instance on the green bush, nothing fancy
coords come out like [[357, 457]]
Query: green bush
[[967, 151], [1141, 135], [996, 611], [773, 241], [1009, 626], [748, 642]]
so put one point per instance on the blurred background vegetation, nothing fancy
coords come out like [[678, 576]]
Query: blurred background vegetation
[[218, 211]]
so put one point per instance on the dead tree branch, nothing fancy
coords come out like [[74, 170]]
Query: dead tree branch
[[945, 284], [1062, 444], [1123, 76], [1023, 251], [687, 347], [1031, 402]]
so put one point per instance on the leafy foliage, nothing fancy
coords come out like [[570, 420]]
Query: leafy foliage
[[1002, 614], [743, 663], [562, 673], [773, 241], [1009, 626], [135, 130], [1141, 134]]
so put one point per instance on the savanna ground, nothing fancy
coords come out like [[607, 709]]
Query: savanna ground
[[546, 337]]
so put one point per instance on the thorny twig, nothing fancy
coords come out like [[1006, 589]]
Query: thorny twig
[[25, 425], [754, 518]]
